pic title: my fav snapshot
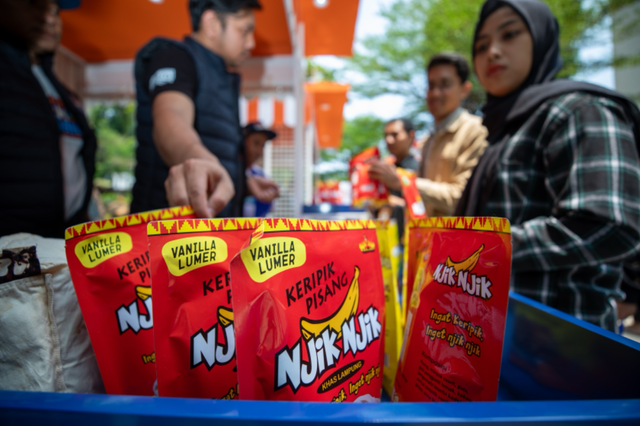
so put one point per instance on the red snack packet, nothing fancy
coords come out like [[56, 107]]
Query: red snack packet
[[329, 192], [366, 191], [194, 336], [414, 236], [109, 265], [309, 306], [367, 155], [456, 317], [415, 207], [393, 320]]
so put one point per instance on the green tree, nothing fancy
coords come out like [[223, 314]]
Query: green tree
[[316, 72], [362, 132], [120, 118], [359, 133], [114, 126], [394, 62]]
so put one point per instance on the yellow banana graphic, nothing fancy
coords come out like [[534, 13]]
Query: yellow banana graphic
[[417, 286], [225, 316], [143, 292], [467, 264], [334, 322]]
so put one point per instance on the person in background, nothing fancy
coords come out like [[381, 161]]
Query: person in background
[[562, 165], [399, 135], [47, 148], [22, 22], [45, 143], [255, 138], [188, 118], [453, 149]]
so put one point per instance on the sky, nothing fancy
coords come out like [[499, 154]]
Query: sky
[[390, 106]]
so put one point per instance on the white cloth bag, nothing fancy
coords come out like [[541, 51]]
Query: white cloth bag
[[44, 344]]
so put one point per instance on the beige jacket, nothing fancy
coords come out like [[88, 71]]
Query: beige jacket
[[448, 158]]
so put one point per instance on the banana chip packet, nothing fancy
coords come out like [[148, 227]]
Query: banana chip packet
[[366, 191], [393, 327], [109, 265], [460, 268], [194, 336], [309, 310]]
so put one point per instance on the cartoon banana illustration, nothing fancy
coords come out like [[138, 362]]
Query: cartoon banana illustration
[[143, 292], [467, 264], [225, 316], [417, 286], [334, 322]]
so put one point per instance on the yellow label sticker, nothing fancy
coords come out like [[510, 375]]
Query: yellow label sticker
[[187, 254], [95, 250], [268, 257]]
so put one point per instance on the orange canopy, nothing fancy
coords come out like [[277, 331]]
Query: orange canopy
[[101, 30], [328, 30], [326, 101]]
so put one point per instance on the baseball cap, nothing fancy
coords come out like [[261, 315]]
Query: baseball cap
[[257, 127], [68, 4]]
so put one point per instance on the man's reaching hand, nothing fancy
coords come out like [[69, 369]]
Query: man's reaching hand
[[385, 173], [202, 183]]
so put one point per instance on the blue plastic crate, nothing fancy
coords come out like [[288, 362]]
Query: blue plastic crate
[[555, 370]]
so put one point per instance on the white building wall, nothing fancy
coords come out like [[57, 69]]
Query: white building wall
[[624, 44]]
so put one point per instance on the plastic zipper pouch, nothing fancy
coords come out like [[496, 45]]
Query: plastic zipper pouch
[[309, 306], [393, 326], [455, 322], [194, 327], [109, 265]]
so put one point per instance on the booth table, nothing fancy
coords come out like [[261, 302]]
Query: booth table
[[555, 370]]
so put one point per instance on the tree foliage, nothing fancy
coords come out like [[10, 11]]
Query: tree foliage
[[114, 126], [316, 72], [120, 118], [394, 62], [359, 133], [362, 132]]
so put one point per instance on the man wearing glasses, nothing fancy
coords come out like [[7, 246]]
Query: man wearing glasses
[[459, 139], [453, 149]]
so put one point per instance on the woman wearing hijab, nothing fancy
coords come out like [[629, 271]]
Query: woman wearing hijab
[[562, 165]]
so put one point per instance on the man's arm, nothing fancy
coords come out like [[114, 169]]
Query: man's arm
[[196, 176], [173, 131], [262, 188], [385, 173]]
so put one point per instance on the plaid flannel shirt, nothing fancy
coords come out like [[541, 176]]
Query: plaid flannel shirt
[[569, 182]]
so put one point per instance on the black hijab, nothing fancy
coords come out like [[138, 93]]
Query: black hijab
[[504, 115]]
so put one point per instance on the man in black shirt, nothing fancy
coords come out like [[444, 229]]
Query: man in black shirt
[[188, 112]]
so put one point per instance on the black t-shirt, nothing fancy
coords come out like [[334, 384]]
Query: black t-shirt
[[409, 162], [172, 69]]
